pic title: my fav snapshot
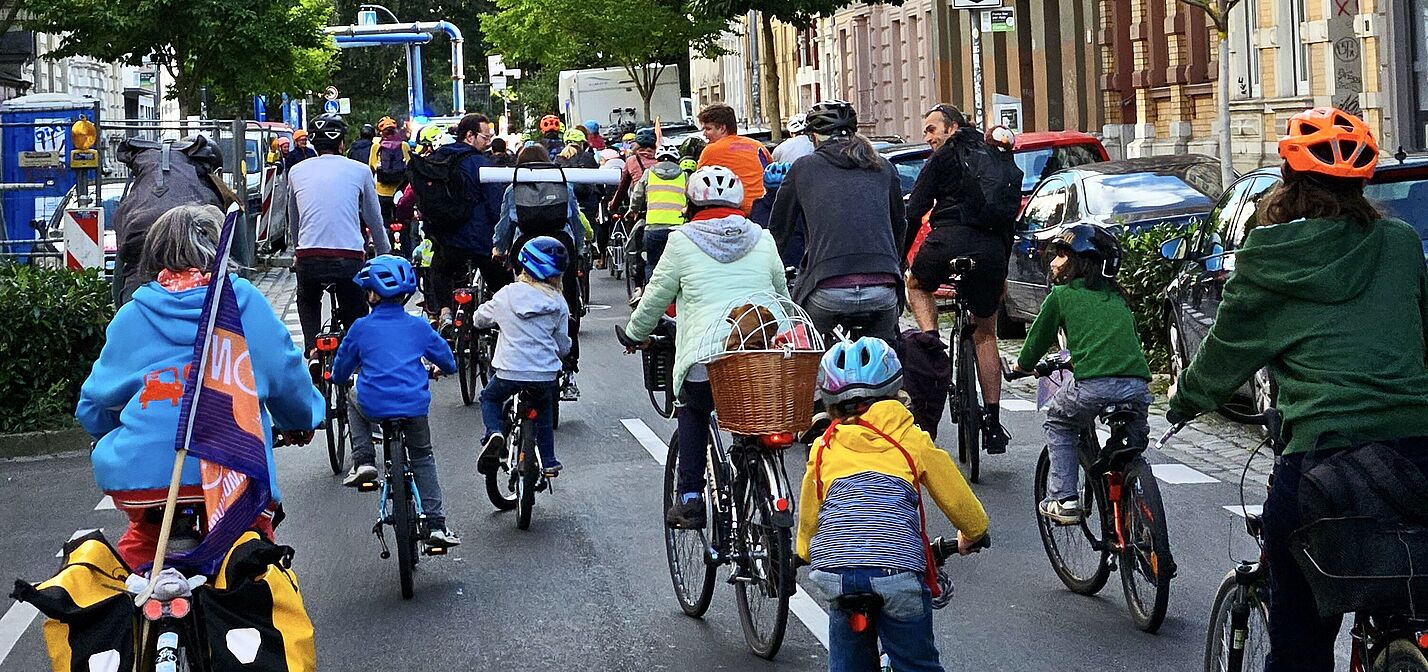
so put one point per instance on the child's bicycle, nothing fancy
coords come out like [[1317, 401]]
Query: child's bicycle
[[514, 485], [334, 395], [1122, 517]]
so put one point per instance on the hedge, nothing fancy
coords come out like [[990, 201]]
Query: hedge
[[1144, 275], [52, 325]]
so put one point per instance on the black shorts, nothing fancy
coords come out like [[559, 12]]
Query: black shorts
[[982, 287]]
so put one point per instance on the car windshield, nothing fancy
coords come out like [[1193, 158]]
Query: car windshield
[[1140, 192], [908, 168], [1407, 200], [1038, 164]]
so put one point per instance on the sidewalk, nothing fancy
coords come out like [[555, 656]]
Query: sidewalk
[[279, 287]]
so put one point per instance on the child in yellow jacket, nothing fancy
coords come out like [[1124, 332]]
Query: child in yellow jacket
[[862, 520]]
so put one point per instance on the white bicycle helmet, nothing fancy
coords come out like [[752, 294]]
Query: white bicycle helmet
[[715, 185], [798, 123]]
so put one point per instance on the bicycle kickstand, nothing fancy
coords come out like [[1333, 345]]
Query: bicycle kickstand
[[381, 539]]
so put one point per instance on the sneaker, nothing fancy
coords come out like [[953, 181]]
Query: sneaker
[[570, 391], [492, 453], [314, 369], [600, 263], [442, 537], [1062, 512], [994, 436], [687, 515], [635, 298], [550, 469], [360, 474], [821, 421]]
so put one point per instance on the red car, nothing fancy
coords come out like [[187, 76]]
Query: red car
[[1038, 154]]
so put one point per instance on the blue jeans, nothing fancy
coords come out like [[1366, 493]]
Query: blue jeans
[[696, 406], [829, 307], [904, 625], [1075, 408], [493, 402], [416, 433], [656, 237]]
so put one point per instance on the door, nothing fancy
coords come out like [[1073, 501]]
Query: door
[[1027, 284], [1232, 218]]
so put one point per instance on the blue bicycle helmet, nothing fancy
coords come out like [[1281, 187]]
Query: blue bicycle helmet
[[543, 258], [646, 138], [388, 275], [865, 368], [1091, 241], [774, 174], [592, 126]]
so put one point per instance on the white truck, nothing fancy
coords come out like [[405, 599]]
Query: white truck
[[609, 96]]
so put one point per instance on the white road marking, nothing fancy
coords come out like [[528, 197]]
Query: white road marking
[[647, 438], [1103, 435], [77, 534], [1253, 509], [13, 624], [1179, 474], [804, 607], [1017, 405], [598, 306], [106, 504]]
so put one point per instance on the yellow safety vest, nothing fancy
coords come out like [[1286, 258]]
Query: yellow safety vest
[[664, 200]]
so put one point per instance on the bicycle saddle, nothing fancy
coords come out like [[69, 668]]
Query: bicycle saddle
[[1117, 451], [864, 603], [1118, 415]]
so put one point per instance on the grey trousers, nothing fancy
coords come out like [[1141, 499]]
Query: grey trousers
[[416, 433], [1073, 409]]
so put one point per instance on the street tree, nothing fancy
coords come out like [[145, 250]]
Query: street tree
[[641, 36], [1219, 13], [231, 48]]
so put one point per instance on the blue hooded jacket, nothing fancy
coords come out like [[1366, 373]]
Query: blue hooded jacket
[[476, 235], [388, 345], [130, 402]]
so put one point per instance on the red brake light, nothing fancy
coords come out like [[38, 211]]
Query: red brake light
[[781, 504], [1423, 640], [531, 414], [456, 322], [857, 622], [326, 343], [327, 375], [395, 226], [777, 441], [462, 297], [153, 610]]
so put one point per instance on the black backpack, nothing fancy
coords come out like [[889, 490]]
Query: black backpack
[[440, 190], [542, 208], [993, 187]]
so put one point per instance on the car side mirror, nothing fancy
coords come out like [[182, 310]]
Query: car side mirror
[[1174, 249]]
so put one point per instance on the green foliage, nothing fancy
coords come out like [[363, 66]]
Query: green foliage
[[54, 328], [1144, 275], [234, 49]]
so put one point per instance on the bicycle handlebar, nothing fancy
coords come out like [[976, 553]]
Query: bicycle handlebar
[[1272, 419], [943, 548], [1045, 367], [628, 342]]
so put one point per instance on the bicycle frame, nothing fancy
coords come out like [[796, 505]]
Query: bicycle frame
[[725, 480], [393, 434]]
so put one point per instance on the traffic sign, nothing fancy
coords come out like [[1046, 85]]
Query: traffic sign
[[498, 82], [82, 230], [344, 106], [330, 93], [999, 20], [976, 4], [331, 107]]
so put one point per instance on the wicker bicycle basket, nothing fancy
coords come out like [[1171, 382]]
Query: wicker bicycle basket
[[764, 392]]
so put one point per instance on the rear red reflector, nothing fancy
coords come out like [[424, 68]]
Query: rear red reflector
[[462, 298], [327, 343]]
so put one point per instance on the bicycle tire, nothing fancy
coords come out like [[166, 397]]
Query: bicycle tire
[[1218, 637], [332, 428], [969, 424], [630, 283], [776, 542], [1077, 572], [1146, 557], [528, 473], [500, 483], [689, 568], [344, 434], [467, 368], [404, 522], [1401, 655]]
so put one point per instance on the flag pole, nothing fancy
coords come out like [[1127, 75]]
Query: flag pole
[[216, 280]]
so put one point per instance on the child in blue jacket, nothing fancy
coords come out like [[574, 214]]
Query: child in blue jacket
[[389, 345]]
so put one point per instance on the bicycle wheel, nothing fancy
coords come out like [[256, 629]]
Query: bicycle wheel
[[631, 270], [1219, 640], [501, 482], [1077, 553], [764, 592], [1146, 563], [333, 428], [467, 368], [689, 567], [969, 422], [1401, 655], [527, 473], [404, 518]]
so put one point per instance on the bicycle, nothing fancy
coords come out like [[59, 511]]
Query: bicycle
[[171, 641], [615, 248], [1238, 636], [521, 469], [334, 396], [1127, 528], [400, 506], [473, 347], [634, 250], [964, 396]]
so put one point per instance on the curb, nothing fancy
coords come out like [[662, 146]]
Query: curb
[[44, 443]]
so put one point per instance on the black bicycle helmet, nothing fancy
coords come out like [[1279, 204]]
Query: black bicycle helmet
[[368, 131], [327, 131], [833, 118], [1090, 240]]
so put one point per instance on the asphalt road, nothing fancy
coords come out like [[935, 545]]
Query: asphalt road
[[587, 587]]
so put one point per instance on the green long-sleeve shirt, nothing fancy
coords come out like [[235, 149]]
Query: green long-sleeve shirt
[[1100, 333]]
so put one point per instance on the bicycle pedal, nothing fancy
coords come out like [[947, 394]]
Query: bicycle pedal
[[370, 486], [434, 550]]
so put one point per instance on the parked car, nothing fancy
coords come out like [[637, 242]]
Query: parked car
[[1207, 256], [1038, 154], [1123, 196]]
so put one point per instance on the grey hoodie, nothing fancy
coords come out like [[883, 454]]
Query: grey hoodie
[[533, 322], [726, 238]]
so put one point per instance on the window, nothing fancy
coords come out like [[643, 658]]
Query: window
[[1407, 200], [1248, 80], [1298, 47], [1418, 22], [1047, 207], [1038, 164], [1140, 192], [908, 167]]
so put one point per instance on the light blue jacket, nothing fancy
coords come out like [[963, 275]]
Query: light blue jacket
[[534, 323]]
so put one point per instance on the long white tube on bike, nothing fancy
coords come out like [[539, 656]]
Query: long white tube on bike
[[572, 175]]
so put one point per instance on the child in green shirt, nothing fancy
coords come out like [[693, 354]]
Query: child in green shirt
[[1100, 330]]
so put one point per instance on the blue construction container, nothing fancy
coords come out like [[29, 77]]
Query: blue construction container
[[30, 127]]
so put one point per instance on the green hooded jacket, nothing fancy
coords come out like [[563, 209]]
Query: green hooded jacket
[[1339, 314]]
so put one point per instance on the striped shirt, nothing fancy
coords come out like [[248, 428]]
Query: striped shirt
[[869, 519]]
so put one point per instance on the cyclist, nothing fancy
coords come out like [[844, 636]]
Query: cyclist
[[577, 154], [362, 149], [639, 160], [692, 148], [512, 235], [745, 156], [1089, 305], [945, 189], [388, 159], [850, 201], [861, 523], [773, 179], [534, 322], [300, 150], [333, 200], [717, 258], [592, 131], [798, 144], [658, 198], [1333, 298], [150, 345], [500, 155], [552, 135], [389, 346]]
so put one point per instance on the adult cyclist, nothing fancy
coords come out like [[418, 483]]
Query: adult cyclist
[[850, 203], [335, 210], [1333, 298], [798, 145]]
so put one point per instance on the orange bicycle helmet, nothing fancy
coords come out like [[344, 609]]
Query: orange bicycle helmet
[[385, 123], [549, 123], [1330, 141]]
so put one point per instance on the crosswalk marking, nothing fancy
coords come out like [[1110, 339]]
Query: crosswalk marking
[[1017, 405], [647, 438], [1179, 474], [1252, 509], [77, 534], [106, 504]]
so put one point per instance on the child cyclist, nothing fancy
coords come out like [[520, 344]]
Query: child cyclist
[[533, 319], [862, 522], [388, 345], [1091, 307]]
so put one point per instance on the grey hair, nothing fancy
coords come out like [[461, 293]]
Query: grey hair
[[184, 237], [855, 148]]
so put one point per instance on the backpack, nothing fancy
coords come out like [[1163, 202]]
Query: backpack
[[440, 190], [994, 187], [542, 208], [391, 163]]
